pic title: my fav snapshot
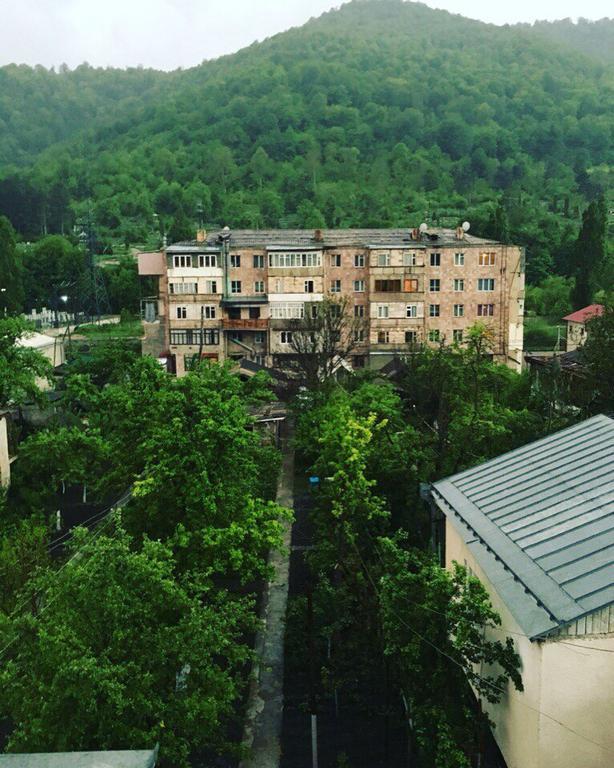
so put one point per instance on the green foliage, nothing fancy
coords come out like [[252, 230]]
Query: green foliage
[[20, 367], [11, 278], [23, 550], [597, 354], [53, 267], [590, 253], [140, 656], [551, 298]]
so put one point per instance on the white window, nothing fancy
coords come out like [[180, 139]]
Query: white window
[[459, 310], [486, 259], [182, 260], [183, 288], [359, 310], [434, 335], [359, 286], [210, 286], [457, 335], [285, 337], [290, 260], [308, 286], [435, 259], [382, 310], [409, 259], [293, 311], [235, 260], [209, 311], [383, 337], [383, 259], [486, 310], [259, 286], [335, 286], [207, 260], [486, 284], [459, 284], [459, 259], [411, 310], [258, 261], [434, 310], [235, 286], [359, 259], [434, 285], [182, 313], [359, 335], [335, 259], [259, 337], [411, 337]]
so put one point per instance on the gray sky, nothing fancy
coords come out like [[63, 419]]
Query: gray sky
[[166, 34]]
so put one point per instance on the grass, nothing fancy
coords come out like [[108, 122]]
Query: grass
[[127, 330], [541, 334]]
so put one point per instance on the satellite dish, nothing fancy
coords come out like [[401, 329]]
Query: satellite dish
[[423, 227], [466, 226]]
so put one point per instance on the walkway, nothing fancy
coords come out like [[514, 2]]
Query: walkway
[[265, 704]]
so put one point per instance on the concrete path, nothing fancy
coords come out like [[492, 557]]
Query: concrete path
[[262, 734]]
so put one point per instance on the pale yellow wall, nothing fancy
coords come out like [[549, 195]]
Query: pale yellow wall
[[5, 465], [570, 684]]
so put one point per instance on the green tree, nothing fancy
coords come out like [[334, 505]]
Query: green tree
[[123, 655], [590, 252], [11, 281], [597, 354]]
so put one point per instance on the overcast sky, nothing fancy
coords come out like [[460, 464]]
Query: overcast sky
[[166, 34]]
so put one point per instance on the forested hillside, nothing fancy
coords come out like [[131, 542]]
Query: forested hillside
[[380, 113], [593, 38]]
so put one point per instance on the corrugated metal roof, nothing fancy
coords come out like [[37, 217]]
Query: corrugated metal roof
[[545, 512], [584, 314], [327, 238]]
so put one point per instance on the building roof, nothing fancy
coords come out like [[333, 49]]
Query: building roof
[[583, 315], [133, 758], [540, 522], [35, 340], [570, 362], [327, 238]]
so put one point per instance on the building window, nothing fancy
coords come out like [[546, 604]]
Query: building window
[[459, 284], [383, 259], [235, 286], [308, 286], [383, 337], [335, 259], [359, 335], [457, 335], [434, 285], [435, 259], [176, 288], [486, 310], [335, 286], [236, 336], [358, 361], [410, 285], [182, 261], [411, 310], [382, 310], [359, 259], [287, 311], [312, 310], [289, 260], [409, 259], [278, 285], [180, 337], [259, 286], [259, 337], [207, 260], [209, 311], [258, 261], [254, 313], [459, 259], [182, 313], [235, 260], [459, 310], [486, 259], [334, 310], [434, 310], [210, 286], [486, 284], [387, 286], [359, 286], [285, 337], [211, 337], [359, 310], [434, 334], [411, 337]]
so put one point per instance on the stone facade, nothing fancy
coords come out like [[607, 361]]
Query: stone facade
[[243, 289]]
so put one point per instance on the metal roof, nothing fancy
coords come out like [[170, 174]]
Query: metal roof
[[540, 522], [585, 314], [330, 238], [132, 758]]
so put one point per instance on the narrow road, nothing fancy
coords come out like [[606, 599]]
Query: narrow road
[[265, 704]]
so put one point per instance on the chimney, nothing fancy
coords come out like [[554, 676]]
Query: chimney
[[317, 236], [201, 235], [415, 234], [460, 233]]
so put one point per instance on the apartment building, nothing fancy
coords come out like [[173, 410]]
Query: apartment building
[[238, 293]]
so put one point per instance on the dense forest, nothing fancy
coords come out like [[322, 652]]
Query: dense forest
[[379, 113]]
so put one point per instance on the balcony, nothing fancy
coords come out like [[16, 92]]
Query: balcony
[[241, 300], [259, 324]]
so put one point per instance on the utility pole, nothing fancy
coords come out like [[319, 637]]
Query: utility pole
[[96, 300]]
